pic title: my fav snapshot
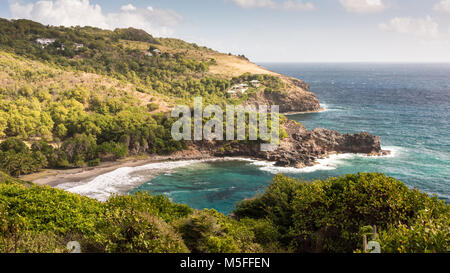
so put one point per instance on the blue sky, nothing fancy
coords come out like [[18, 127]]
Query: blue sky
[[270, 30]]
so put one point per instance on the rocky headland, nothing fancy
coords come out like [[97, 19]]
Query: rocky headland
[[296, 97], [301, 148]]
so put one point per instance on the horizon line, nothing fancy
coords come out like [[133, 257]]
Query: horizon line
[[350, 62]]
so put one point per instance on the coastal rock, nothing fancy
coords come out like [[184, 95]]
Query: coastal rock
[[295, 98], [301, 148]]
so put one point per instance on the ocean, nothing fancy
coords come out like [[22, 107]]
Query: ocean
[[407, 105]]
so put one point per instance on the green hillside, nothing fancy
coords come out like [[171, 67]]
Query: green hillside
[[180, 69], [91, 95]]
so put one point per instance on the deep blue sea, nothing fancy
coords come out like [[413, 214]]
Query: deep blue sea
[[408, 105]]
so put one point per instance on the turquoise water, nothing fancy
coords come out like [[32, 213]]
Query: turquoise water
[[407, 105]]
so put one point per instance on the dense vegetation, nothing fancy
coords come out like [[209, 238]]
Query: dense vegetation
[[71, 118], [291, 216], [330, 215], [121, 54], [102, 51]]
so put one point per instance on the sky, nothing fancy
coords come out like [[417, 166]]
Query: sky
[[270, 30]]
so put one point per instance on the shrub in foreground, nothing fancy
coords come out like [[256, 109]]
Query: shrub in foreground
[[327, 215], [291, 216]]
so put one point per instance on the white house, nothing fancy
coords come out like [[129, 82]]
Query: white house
[[45, 41], [148, 53], [157, 51], [78, 46], [255, 83], [238, 88]]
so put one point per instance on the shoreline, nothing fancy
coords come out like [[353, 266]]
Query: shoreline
[[55, 177], [120, 177], [322, 109]]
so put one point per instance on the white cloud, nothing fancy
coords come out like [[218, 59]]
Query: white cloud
[[423, 27], [286, 5], [61, 12], [443, 5], [158, 22], [128, 7], [363, 6]]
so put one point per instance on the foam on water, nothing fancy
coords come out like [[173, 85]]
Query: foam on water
[[329, 108], [325, 164], [121, 179], [124, 179], [395, 151], [323, 106], [329, 163]]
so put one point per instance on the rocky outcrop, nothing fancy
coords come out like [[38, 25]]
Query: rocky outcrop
[[301, 148], [295, 98]]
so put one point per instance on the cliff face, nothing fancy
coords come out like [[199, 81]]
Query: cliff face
[[295, 98], [301, 148]]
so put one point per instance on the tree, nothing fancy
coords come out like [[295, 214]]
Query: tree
[[61, 131], [211, 232], [3, 123], [14, 144], [17, 159], [79, 149]]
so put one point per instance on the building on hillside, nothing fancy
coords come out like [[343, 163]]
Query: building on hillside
[[255, 83], [148, 54], [43, 42], [238, 88], [78, 46], [157, 51]]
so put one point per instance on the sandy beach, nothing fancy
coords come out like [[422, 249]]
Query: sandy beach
[[55, 177]]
